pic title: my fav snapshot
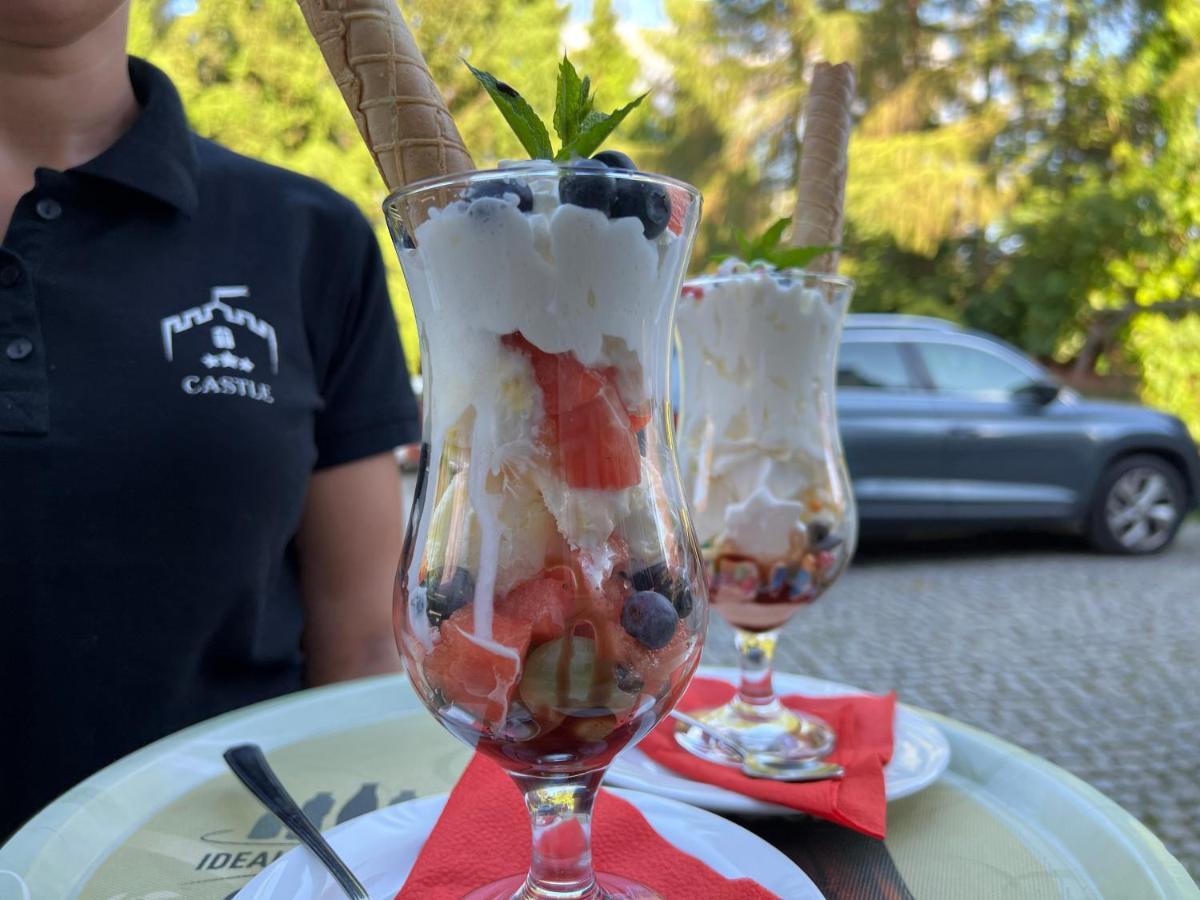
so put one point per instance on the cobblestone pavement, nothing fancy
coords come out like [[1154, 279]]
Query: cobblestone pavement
[[1092, 662]]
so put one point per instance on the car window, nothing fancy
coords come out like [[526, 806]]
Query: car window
[[872, 364], [962, 369]]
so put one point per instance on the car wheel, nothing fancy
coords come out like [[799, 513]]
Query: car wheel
[[1138, 508]]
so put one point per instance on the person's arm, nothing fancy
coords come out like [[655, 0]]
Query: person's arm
[[351, 533], [349, 547]]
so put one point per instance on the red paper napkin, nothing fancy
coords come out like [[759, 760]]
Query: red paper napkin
[[483, 836], [863, 724]]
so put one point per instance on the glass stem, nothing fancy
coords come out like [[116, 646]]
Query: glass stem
[[560, 816], [756, 693]]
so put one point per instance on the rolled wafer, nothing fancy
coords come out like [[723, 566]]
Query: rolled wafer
[[384, 80], [821, 191]]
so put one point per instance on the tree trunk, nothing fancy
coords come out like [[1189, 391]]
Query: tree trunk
[[1107, 322]]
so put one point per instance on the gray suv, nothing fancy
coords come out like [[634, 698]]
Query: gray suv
[[948, 427]]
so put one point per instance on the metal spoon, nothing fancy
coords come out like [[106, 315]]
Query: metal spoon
[[764, 765], [252, 769]]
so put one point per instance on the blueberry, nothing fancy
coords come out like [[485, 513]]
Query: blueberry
[[821, 536], [648, 202], [628, 680], [650, 618], [588, 191], [801, 584], [445, 595], [615, 159], [659, 578], [779, 577], [502, 187]]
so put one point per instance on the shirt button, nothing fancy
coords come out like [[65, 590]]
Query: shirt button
[[49, 209], [19, 348], [9, 275]]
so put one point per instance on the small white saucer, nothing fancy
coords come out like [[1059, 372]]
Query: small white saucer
[[919, 757]]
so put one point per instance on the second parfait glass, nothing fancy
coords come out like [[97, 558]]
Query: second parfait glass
[[765, 478], [551, 602]]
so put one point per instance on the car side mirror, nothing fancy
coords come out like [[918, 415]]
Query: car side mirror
[[1038, 393]]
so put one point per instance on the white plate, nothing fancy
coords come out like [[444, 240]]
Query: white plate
[[381, 848], [919, 757]]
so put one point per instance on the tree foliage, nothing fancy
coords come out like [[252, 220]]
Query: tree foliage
[[1024, 166], [1031, 167]]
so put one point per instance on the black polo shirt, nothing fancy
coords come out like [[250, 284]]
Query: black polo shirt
[[185, 335]]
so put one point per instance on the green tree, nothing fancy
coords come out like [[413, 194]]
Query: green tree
[[1025, 166], [736, 125], [1151, 309], [731, 109], [519, 41], [607, 57]]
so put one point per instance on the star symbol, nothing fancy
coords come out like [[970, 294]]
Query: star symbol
[[210, 360], [245, 365]]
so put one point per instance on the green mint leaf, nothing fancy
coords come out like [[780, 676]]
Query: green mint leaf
[[796, 257], [568, 100], [772, 236], [746, 249], [591, 120], [596, 127], [586, 98], [521, 118]]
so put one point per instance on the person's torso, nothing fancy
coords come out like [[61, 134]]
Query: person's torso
[[158, 390]]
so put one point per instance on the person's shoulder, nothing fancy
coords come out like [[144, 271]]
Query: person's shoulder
[[288, 193]]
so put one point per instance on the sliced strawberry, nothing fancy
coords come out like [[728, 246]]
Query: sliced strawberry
[[605, 602], [680, 199], [615, 591], [545, 601], [596, 447], [639, 417], [478, 676], [547, 433], [566, 383], [517, 341]]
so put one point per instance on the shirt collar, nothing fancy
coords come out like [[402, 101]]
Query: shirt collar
[[156, 156]]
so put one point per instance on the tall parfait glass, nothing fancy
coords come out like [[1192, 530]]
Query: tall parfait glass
[[765, 478], [551, 602]]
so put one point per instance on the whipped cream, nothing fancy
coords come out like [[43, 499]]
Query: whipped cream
[[764, 524], [758, 439], [566, 277]]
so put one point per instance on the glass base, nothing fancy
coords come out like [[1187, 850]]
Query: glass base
[[767, 728], [608, 887]]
